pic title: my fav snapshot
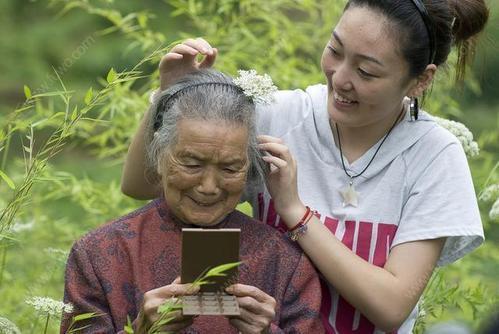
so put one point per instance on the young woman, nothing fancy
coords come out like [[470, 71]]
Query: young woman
[[392, 189]]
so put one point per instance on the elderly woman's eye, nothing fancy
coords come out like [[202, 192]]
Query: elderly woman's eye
[[192, 166], [231, 170]]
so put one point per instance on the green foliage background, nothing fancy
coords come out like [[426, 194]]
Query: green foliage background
[[75, 81]]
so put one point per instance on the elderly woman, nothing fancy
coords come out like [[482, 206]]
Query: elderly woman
[[201, 141]]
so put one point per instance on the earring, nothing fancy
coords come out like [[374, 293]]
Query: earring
[[414, 108]]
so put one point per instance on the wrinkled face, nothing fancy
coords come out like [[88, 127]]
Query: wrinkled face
[[204, 174], [366, 74]]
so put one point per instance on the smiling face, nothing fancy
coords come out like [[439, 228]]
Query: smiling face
[[366, 74], [204, 174]]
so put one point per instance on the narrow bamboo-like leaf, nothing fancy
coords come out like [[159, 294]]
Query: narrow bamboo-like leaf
[[85, 316], [27, 92], [7, 237], [89, 95], [111, 75], [7, 180], [74, 114], [219, 270], [142, 18], [128, 327]]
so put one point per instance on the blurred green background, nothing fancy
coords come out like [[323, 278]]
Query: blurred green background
[[54, 51]]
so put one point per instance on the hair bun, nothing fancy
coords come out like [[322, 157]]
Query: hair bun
[[470, 18]]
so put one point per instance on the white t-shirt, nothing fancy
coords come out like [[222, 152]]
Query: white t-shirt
[[418, 187]]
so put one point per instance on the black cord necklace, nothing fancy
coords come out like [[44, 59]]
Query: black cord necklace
[[349, 194]]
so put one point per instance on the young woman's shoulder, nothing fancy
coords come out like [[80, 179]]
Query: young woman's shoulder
[[290, 108]]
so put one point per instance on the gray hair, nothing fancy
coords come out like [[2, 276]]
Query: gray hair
[[205, 95]]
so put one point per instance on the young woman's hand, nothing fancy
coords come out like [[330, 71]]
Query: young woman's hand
[[257, 309], [182, 59], [282, 179], [155, 298]]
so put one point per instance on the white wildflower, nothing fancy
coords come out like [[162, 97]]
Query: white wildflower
[[49, 306], [494, 211], [421, 312], [20, 226], [490, 193], [8, 327], [462, 133], [260, 88], [58, 254]]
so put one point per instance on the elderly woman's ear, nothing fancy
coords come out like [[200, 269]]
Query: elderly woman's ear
[[161, 164]]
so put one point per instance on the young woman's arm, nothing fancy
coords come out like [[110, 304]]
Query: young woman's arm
[[180, 61], [134, 182], [386, 296]]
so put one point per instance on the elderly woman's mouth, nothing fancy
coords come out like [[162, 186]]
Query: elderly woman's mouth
[[203, 202]]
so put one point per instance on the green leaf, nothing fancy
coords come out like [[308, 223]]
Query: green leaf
[[169, 305], [27, 92], [8, 180], [7, 237], [111, 76], [89, 95], [142, 18], [85, 316], [219, 270], [74, 114], [128, 327]]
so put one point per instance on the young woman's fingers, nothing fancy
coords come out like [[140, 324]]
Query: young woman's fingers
[[171, 56], [185, 49], [209, 60], [276, 149], [200, 45], [262, 139], [275, 161]]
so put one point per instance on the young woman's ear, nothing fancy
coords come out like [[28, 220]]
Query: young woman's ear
[[423, 81]]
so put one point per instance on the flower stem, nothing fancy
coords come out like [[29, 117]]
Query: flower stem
[[46, 324]]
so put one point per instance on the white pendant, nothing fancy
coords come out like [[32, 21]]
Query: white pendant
[[350, 196]]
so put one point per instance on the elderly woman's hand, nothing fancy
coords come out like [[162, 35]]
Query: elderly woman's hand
[[257, 309], [181, 60], [156, 297]]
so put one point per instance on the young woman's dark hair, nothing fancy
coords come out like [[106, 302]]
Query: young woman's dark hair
[[454, 23]]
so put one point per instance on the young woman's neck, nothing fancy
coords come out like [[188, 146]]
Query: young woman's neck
[[355, 141]]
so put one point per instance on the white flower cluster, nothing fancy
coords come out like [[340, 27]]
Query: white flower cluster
[[494, 211], [8, 327], [260, 88], [490, 193], [49, 306], [19, 226], [462, 133]]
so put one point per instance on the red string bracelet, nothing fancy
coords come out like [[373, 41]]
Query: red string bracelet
[[302, 220]]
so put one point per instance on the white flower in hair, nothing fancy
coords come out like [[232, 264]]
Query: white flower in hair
[[49, 306], [462, 133], [260, 88]]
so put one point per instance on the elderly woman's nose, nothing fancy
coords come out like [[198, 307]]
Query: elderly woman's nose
[[208, 183]]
